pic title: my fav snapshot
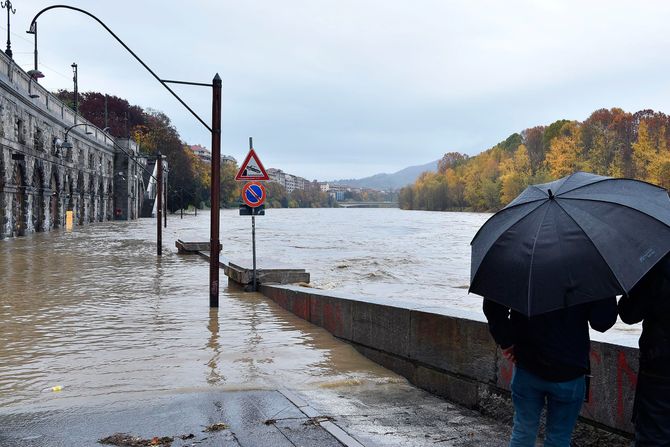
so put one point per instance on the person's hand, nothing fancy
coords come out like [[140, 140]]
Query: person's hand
[[508, 353]]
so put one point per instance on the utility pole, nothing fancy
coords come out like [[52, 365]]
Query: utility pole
[[76, 91], [159, 205]]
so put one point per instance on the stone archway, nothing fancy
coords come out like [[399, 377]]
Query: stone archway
[[110, 201], [81, 206], [3, 214], [91, 199], [19, 202], [37, 213], [70, 197], [54, 201], [101, 202]]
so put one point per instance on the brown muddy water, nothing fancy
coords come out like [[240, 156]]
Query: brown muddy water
[[94, 311]]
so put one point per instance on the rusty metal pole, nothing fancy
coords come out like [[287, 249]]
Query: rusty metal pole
[[159, 205], [165, 201], [216, 184]]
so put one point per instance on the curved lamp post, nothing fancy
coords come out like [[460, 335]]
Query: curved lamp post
[[215, 129], [66, 144]]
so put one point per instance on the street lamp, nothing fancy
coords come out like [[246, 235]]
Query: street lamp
[[66, 144], [34, 76], [215, 129], [8, 5]]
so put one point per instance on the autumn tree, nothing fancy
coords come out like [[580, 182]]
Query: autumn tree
[[516, 174], [565, 151], [533, 140]]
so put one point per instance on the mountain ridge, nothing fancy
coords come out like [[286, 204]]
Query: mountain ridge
[[385, 181]]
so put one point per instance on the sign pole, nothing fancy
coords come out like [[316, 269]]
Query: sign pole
[[253, 234], [253, 248]]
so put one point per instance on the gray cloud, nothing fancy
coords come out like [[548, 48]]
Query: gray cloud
[[345, 88]]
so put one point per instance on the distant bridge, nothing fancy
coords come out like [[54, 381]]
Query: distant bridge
[[368, 204]]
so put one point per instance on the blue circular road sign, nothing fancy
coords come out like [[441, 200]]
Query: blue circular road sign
[[253, 194]]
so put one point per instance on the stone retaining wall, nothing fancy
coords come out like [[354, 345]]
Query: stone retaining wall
[[450, 352]]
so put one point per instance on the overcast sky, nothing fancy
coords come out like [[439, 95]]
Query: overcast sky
[[351, 88]]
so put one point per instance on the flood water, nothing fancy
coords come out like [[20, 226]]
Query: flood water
[[96, 312]]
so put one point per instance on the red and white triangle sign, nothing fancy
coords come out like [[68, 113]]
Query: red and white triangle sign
[[252, 168]]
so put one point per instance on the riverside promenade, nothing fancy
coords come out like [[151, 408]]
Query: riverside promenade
[[122, 346]]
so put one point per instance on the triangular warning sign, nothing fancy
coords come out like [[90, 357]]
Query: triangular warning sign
[[252, 168]]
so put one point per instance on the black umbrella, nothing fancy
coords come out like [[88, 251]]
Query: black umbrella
[[578, 239]]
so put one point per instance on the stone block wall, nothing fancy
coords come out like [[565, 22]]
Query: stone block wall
[[40, 180]]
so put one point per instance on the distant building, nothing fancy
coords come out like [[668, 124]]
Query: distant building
[[201, 152], [205, 155], [334, 191], [289, 181]]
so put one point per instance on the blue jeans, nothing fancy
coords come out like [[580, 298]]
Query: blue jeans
[[564, 400]]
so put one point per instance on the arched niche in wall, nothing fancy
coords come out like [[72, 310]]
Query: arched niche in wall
[[110, 200], [81, 206], [101, 200], [19, 202], [3, 212], [91, 198], [38, 198], [54, 200]]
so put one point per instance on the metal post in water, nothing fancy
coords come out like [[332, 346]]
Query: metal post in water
[[159, 205], [216, 185], [165, 203], [253, 248]]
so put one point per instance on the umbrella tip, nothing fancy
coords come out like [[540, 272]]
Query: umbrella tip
[[551, 194]]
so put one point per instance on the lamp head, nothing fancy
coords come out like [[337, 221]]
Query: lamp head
[[35, 74]]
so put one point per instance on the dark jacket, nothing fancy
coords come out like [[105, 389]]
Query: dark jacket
[[554, 346], [649, 302]]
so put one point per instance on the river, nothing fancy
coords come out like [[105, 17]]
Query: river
[[95, 311]]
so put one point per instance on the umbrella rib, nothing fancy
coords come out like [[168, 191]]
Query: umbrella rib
[[504, 210], [532, 258], [523, 203], [586, 199], [606, 179], [591, 241]]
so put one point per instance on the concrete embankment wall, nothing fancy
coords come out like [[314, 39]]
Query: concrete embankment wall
[[451, 353]]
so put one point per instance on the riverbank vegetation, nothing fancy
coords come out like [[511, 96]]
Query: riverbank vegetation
[[609, 142]]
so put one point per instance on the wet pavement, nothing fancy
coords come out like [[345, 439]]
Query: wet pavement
[[353, 416]]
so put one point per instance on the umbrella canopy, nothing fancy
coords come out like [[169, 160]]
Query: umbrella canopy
[[578, 239]]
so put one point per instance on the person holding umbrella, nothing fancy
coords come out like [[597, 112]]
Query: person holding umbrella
[[551, 356], [649, 302], [549, 265]]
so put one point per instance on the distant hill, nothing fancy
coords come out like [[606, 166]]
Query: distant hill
[[396, 180]]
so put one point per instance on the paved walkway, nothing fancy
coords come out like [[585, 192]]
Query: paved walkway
[[388, 415]]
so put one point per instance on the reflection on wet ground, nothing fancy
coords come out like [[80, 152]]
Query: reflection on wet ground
[[96, 313]]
